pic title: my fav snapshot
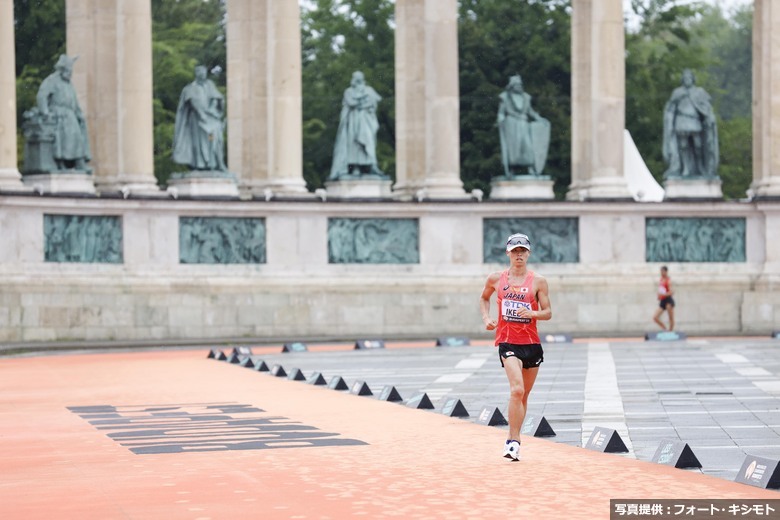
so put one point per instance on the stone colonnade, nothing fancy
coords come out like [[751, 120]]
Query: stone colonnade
[[427, 99], [598, 101], [113, 77], [114, 81], [766, 99], [264, 95], [9, 174]]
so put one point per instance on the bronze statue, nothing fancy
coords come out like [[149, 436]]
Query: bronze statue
[[355, 151], [56, 130], [198, 138], [525, 135], [690, 141]]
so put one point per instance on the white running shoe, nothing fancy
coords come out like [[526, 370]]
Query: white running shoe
[[512, 450]]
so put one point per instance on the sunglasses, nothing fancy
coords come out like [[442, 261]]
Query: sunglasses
[[518, 240]]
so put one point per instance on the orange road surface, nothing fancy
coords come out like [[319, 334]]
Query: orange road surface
[[174, 435]]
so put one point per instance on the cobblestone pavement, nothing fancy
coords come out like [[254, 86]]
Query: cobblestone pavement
[[720, 396]]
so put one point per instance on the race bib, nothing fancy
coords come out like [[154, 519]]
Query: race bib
[[510, 310], [661, 289]]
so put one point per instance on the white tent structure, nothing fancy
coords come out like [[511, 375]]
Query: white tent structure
[[641, 182]]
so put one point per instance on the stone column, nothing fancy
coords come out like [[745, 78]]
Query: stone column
[[10, 179], [265, 141], [766, 100], [427, 100], [598, 101], [113, 77]]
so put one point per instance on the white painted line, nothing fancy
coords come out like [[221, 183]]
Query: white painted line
[[453, 378], [732, 358], [602, 396], [740, 447], [664, 367], [693, 427], [711, 412], [670, 427], [753, 371], [471, 363], [771, 387], [689, 380]]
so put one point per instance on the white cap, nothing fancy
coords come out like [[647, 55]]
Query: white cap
[[518, 240]]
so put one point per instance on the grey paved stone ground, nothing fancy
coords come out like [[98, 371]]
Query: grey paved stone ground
[[721, 396]]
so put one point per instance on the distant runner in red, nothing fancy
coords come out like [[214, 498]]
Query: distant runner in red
[[523, 298], [665, 300]]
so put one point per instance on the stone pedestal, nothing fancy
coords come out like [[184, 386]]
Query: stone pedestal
[[203, 184], [11, 181], [522, 188], [65, 182], [365, 187], [133, 186], [705, 189]]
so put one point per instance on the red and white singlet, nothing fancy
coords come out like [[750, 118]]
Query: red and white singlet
[[663, 288], [511, 328]]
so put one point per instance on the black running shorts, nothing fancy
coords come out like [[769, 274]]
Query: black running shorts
[[531, 355], [666, 302]]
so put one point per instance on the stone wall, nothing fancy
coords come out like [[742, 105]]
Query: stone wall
[[299, 293]]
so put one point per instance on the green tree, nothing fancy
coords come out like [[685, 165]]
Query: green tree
[[736, 156], [338, 38], [656, 54], [730, 41], [39, 34], [731, 74], [670, 38], [498, 39]]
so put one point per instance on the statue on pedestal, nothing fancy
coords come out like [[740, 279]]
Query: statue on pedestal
[[690, 141], [354, 154], [55, 130], [525, 135], [198, 139]]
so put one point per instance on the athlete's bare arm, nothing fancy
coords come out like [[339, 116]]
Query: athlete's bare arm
[[491, 285], [543, 297]]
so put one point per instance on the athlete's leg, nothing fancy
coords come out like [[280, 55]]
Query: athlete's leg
[[529, 378], [517, 396], [657, 317], [670, 312]]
